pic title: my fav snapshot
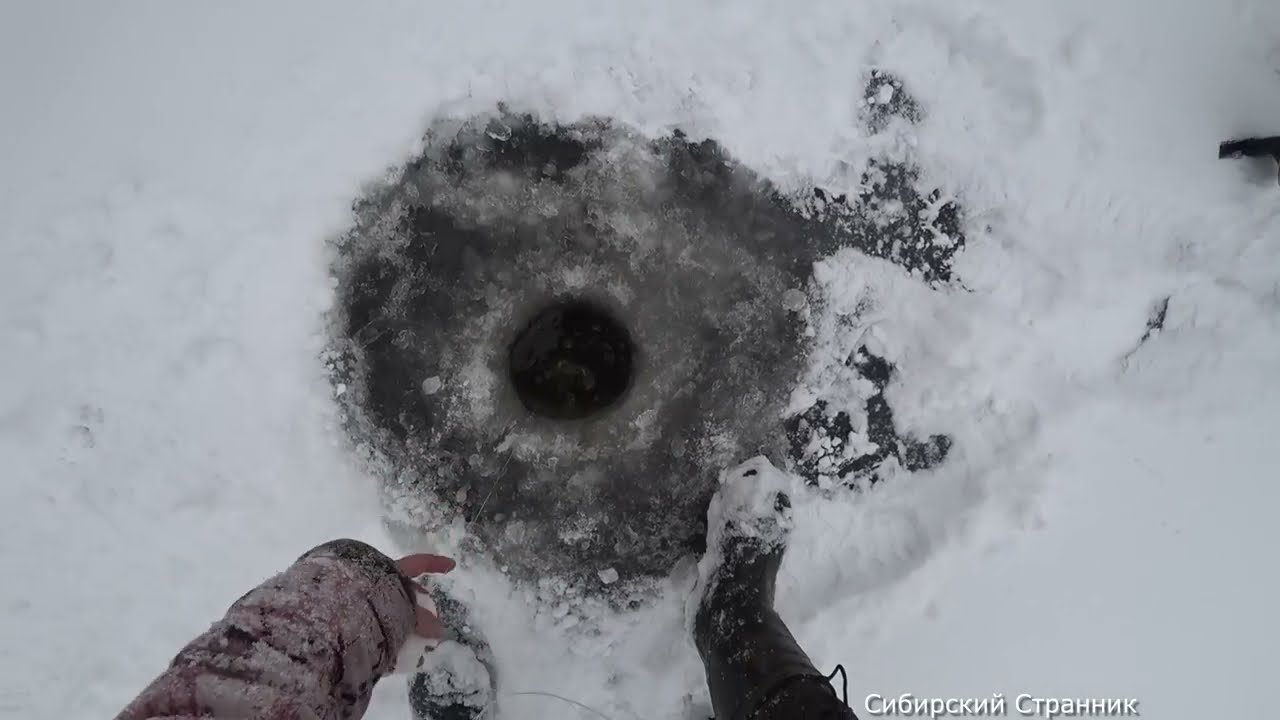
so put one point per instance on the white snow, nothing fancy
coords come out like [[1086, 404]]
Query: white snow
[[170, 172]]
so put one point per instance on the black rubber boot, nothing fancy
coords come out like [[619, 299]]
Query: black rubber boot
[[456, 680], [1252, 147], [755, 668]]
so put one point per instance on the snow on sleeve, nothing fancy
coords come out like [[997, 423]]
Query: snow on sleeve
[[310, 642]]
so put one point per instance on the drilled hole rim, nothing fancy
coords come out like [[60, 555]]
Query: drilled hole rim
[[573, 359]]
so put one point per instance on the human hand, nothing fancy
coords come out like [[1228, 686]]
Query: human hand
[[412, 567]]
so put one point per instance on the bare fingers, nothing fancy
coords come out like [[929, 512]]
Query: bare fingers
[[426, 623], [424, 564]]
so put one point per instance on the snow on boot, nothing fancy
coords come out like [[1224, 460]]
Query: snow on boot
[[755, 668], [452, 685], [454, 681], [749, 523]]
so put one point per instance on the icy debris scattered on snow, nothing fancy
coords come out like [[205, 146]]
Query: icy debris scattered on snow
[[842, 445], [891, 216], [884, 99]]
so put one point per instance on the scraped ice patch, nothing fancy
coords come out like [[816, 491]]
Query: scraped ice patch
[[654, 290]]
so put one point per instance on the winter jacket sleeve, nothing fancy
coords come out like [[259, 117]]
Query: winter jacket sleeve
[[308, 644]]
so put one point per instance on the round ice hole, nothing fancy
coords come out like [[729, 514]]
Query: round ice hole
[[572, 360]]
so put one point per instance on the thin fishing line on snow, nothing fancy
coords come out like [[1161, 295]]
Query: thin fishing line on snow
[[561, 698]]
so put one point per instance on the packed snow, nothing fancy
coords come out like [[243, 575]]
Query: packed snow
[[173, 174]]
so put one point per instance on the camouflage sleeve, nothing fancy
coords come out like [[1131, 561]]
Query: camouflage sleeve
[[308, 644]]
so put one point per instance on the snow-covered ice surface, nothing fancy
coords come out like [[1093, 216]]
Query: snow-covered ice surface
[[170, 174]]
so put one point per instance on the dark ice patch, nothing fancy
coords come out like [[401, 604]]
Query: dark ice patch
[[1155, 323], [819, 438], [502, 217], [884, 99], [891, 218]]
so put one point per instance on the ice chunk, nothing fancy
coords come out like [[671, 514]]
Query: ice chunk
[[794, 300]]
